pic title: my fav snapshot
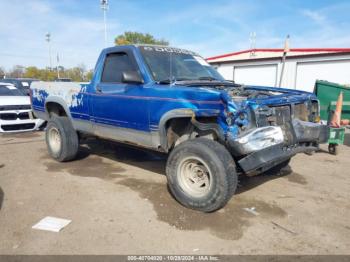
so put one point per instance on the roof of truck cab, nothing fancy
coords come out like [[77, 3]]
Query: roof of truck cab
[[115, 48]]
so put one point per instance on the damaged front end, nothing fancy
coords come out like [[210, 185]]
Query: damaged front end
[[263, 128]]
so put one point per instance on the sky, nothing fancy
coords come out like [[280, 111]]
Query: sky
[[208, 27]]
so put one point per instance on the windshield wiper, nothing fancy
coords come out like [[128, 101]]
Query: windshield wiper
[[210, 78], [164, 82], [168, 81]]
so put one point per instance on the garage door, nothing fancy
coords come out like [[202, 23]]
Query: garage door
[[263, 75], [226, 71], [332, 71]]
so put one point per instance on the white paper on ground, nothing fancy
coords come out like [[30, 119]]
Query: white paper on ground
[[251, 210], [53, 224]]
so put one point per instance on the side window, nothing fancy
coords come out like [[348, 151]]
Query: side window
[[114, 65]]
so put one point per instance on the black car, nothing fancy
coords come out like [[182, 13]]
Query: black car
[[23, 84]]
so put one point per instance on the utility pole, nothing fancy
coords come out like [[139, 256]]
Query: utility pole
[[58, 66], [252, 40], [285, 51], [104, 7], [48, 39]]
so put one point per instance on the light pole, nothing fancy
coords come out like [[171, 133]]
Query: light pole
[[58, 66], [48, 39], [285, 51], [104, 7]]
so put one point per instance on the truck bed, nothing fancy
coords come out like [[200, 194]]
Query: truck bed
[[69, 92]]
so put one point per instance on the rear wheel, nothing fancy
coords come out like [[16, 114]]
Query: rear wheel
[[61, 139], [201, 174]]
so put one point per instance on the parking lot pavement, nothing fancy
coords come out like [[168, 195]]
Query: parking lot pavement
[[118, 202]]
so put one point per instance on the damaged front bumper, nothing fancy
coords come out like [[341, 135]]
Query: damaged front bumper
[[265, 147], [260, 161]]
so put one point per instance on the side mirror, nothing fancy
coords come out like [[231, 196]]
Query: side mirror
[[132, 77]]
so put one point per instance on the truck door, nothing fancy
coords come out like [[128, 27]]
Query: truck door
[[120, 110]]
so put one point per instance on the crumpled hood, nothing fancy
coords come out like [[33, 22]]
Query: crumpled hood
[[258, 94], [261, 95]]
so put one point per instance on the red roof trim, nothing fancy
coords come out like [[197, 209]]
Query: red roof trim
[[281, 50]]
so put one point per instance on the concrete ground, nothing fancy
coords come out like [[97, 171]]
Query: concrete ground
[[118, 202]]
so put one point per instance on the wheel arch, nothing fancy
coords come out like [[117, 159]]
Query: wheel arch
[[57, 105], [186, 119], [165, 120]]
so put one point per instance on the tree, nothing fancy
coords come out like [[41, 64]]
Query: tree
[[47, 75], [89, 75], [32, 72], [77, 74], [2, 72], [138, 38], [17, 71]]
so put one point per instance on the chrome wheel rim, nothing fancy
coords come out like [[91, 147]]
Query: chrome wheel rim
[[54, 140], [194, 176]]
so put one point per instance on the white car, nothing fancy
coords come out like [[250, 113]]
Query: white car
[[15, 111]]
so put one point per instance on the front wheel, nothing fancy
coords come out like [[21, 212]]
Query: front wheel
[[61, 139], [201, 174]]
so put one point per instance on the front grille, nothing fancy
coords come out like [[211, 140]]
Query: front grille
[[273, 116], [301, 112], [283, 119], [23, 115], [17, 127], [282, 114], [14, 116], [277, 116], [15, 107], [308, 111], [8, 116]]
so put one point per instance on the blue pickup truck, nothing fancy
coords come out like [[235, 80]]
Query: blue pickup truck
[[171, 100]]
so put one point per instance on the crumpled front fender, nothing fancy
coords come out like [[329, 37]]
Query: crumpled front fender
[[236, 116]]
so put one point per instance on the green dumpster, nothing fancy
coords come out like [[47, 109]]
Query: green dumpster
[[327, 93], [335, 138]]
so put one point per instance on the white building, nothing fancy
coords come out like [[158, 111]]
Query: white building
[[302, 68]]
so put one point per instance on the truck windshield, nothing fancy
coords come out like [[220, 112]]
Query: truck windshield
[[166, 63]]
